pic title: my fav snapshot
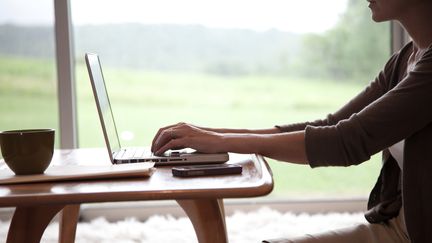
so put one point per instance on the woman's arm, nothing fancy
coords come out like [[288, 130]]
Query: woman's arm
[[287, 143], [272, 130], [281, 146], [289, 147], [396, 115]]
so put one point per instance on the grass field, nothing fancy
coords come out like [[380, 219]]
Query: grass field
[[145, 100]]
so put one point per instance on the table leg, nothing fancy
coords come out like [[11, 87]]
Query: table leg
[[208, 219], [68, 223], [29, 223]]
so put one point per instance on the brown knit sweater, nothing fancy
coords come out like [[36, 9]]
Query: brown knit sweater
[[397, 105]]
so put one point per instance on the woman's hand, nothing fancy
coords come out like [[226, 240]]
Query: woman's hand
[[183, 135]]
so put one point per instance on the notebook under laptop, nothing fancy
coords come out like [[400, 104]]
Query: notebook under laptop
[[119, 155]]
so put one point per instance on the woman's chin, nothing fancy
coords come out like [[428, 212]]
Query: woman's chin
[[377, 18]]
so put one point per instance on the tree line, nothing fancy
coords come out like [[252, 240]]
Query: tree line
[[355, 48]]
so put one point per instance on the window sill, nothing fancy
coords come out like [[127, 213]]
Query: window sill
[[144, 209]]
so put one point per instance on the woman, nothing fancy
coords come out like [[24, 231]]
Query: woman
[[393, 115]]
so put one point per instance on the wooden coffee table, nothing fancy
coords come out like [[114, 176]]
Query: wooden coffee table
[[200, 197]]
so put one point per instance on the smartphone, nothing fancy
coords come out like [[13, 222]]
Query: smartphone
[[204, 170]]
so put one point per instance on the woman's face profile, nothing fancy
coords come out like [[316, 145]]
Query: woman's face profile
[[383, 10]]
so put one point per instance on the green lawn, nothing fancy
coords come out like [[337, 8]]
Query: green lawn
[[145, 100]]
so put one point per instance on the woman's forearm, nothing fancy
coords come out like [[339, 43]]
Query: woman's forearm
[[288, 147], [272, 130]]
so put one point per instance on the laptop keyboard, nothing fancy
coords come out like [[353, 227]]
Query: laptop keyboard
[[134, 154]]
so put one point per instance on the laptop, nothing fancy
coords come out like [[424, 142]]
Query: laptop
[[119, 154]]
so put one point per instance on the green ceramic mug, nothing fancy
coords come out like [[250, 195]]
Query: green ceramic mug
[[27, 151]]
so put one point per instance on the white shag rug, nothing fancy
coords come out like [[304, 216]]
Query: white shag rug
[[242, 227]]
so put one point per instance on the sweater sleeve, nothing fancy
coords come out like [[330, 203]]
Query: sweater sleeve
[[373, 91], [394, 116]]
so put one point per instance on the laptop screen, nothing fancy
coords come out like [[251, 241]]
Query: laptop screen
[[103, 103]]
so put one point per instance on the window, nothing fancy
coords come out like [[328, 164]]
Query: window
[[237, 63], [28, 86]]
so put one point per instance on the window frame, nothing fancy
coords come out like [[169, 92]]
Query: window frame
[[65, 75]]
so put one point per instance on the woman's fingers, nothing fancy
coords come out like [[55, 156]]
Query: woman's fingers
[[172, 144], [163, 138], [157, 137]]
